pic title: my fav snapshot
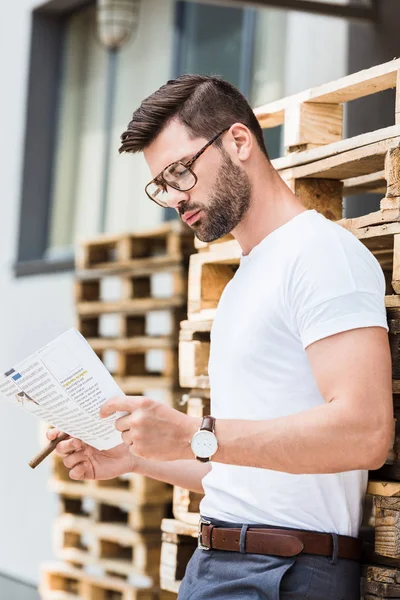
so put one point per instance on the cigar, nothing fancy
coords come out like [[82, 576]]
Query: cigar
[[47, 450]]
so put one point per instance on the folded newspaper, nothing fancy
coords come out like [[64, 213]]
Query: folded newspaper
[[65, 383]]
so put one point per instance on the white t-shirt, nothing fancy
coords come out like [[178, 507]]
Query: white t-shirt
[[305, 281]]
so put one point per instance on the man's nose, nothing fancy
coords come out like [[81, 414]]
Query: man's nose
[[176, 198]]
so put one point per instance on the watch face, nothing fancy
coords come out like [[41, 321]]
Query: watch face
[[204, 444]]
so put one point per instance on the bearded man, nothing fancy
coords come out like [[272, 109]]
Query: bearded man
[[300, 367]]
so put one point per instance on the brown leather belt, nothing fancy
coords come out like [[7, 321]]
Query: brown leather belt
[[278, 542]]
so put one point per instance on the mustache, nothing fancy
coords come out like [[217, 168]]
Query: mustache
[[183, 209]]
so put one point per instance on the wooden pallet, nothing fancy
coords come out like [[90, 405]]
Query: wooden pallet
[[209, 273], [379, 583], [198, 403], [138, 518], [194, 351], [179, 541], [63, 582], [386, 497], [163, 246], [95, 287], [143, 368], [185, 505], [130, 490], [317, 176], [113, 547], [313, 117], [140, 306], [207, 246], [113, 328]]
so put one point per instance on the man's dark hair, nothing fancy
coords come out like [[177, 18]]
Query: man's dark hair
[[204, 104]]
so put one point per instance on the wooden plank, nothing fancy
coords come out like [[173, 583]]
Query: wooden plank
[[375, 591], [193, 364], [389, 489], [396, 264], [114, 547], [377, 231], [351, 87], [324, 195], [198, 405], [138, 307], [397, 106], [113, 496], [312, 124], [392, 172], [134, 363], [204, 246], [186, 505], [373, 183], [392, 301], [359, 141], [382, 574], [352, 163], [379, 217], [179, 541], [188, 329], [60, 581], [178, 528], [390, 203], [209, 273], [140, 343], [141, 266], [387, 527], [173, 239], [138, 384]]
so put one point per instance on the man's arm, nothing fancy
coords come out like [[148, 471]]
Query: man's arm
[[187, 474], [352, 430], [86, 462]]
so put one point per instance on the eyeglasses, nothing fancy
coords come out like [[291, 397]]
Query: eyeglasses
[[177, 175]]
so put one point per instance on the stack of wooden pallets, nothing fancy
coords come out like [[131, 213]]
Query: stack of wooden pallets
[[321, 168], [210, 269], [131, 296]]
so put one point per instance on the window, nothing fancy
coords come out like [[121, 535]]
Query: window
[[245, 46], [80, 99], [78, 167]]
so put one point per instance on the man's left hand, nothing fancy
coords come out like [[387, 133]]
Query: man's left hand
[[152, 430]]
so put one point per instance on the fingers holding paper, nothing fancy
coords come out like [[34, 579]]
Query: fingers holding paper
[[86, 462], [151, 429]]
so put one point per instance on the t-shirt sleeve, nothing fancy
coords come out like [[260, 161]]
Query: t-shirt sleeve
[[336, 285]]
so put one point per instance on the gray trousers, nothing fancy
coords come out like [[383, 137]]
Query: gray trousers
[[219, 575]]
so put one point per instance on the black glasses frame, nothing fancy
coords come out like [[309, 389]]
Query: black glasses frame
[[187, 165]]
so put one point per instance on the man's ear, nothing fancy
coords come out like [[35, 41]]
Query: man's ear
[[242, 141]]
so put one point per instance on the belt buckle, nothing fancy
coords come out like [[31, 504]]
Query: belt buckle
[[199, 544]]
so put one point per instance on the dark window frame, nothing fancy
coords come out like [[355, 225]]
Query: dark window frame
[[45, 72]]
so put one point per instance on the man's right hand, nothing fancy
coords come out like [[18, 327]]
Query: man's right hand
[[86, 462]]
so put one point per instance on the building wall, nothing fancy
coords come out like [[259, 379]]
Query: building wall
[[316, 51], [36, 309]]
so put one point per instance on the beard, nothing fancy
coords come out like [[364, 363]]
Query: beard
[[227, 204]]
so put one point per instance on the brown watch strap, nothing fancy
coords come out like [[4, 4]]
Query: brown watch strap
[[208, 423]]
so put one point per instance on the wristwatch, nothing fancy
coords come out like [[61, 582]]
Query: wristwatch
[[204, 442]]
